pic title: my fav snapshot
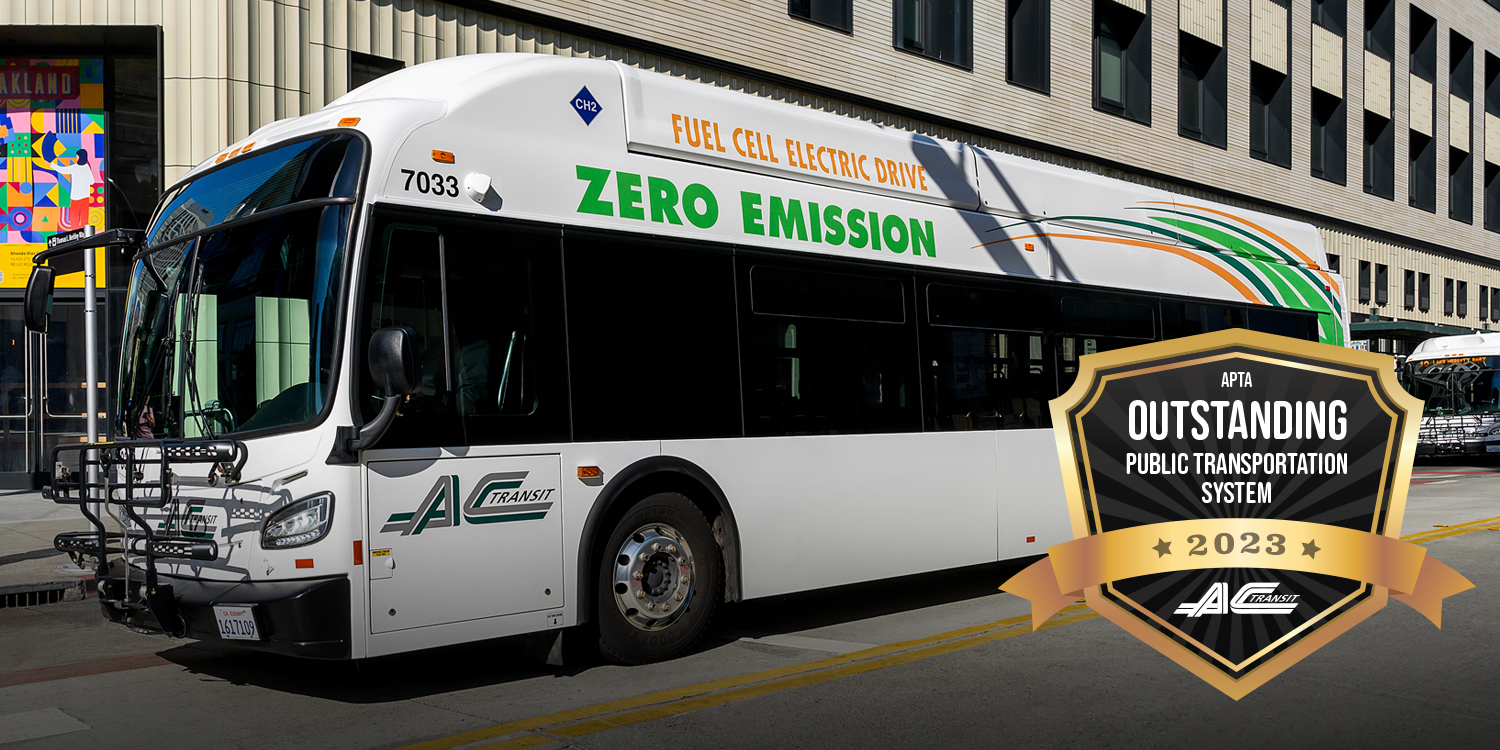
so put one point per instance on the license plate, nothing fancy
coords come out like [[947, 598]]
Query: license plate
[[237, 623], [1492, 448]]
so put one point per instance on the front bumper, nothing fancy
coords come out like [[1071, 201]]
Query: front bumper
[[307, 618]]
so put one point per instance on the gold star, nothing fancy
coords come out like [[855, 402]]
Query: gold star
[[1162, 548], [1311, 549]]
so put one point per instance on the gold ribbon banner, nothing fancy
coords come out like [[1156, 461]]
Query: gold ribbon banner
[[1059, 579]]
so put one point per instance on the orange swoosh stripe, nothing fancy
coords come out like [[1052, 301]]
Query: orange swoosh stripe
[[1225, 275], [1247, 223]]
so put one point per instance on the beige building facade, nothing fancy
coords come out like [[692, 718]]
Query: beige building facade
[[1227, 99]]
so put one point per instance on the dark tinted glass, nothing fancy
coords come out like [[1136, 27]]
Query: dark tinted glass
[[837, 296], [1090, 322], [1291, 323], [651, 340], [1009, 307], [1189, 318], [506, 334], [838, 372]]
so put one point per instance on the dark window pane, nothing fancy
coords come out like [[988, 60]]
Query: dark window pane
[[405, 288], [1421, 176], [1292, 323], [1028, 44], [364, 68], [1382, 290], [988, 380], [838, 14], [1460, 186], [837, 296], [940, 29], [836, 373], [1090, 322], [1484, 302], [1447, 296], [1330, 14], [1462, 292], [1409, 290], [1190, 318], [650, 348], [506, 333], [1122, 61], [1424, 292], [1364, 281], [1010, 307], [1328, 137]]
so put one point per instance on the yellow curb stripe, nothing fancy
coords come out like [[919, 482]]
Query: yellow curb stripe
[[1447, 530], [689, 691], [717, 699]]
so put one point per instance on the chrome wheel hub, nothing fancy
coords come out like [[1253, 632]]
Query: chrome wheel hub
[[653, 576]]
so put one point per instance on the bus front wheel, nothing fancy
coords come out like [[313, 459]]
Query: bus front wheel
[[658, 582]]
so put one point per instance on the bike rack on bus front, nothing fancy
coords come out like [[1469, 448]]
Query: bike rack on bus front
[[128, 461]]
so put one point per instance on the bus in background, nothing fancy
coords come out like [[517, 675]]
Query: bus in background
[[1458, 378], [509, 343]]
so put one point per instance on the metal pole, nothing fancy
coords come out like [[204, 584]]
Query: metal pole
[[91, 361]]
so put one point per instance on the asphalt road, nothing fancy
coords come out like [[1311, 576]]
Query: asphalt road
[[939, 660]]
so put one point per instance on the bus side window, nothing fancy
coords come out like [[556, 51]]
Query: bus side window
[[405, 288], [828, 353], [1090, 322], [505, 332], [985, 357], [1293, 323], [1180, 319]]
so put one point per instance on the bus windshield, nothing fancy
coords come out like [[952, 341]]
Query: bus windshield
[[232, 329], [1456, 386]]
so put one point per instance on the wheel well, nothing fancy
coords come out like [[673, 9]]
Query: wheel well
[[643, 479]]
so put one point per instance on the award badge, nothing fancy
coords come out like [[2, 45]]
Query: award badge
[[1236, 500]]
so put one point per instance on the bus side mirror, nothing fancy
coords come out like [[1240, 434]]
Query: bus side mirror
[[397, 373], [38, 304], [393, 361]]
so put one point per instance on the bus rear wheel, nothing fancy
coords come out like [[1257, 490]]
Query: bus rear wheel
[[658, 581]]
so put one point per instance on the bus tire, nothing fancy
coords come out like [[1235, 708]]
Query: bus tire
[[659, 581]]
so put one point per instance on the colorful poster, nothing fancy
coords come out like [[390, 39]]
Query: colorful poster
[[52, 128]]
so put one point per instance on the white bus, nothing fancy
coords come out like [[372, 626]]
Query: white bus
[[505, 343], [1458, 380]]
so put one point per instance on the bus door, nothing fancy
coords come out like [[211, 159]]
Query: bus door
[[457, 539], [464, 517]]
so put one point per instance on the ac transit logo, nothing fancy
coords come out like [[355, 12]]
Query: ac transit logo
[[496, 498], [1252, 599]]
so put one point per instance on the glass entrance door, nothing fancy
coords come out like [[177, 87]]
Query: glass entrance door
[[18, 402]]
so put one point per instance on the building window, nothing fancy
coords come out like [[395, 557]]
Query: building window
[[1330, 127], [835, 14], [1122, 59], [939, 29], [1484, 302], [1379, 132], [1382, 289], [1409, 290], [1463, 298], [1447, 296], [1491, 169], [1364, 281], [1495, 303], [1028, 44], [1201, 72], [1333, 263], [1270, 116], [1421, 175], [364, 68], [1460, 135], [1424, 291]]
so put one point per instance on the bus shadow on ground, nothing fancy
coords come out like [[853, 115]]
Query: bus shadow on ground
[[499, 661]]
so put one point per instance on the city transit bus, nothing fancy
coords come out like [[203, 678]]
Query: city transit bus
[[1458, 380], [506, 344]]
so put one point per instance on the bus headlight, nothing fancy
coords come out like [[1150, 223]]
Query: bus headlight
[[299, 523]]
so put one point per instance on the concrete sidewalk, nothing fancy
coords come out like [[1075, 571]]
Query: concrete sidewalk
[[28, 522]]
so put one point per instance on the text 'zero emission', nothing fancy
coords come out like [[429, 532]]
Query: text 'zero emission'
[[657, 199]]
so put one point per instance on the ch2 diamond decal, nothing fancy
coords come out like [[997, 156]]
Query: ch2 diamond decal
[[586, 105]]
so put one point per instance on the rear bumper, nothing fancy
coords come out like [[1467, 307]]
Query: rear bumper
[[307, 618]]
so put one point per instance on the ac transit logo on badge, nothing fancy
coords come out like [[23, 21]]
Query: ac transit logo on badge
[[496, 498], [1236, 500], [1253, 599]]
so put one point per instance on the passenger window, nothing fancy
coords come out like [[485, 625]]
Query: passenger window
[[485, 303], [405, 288], [1293, 323], [1180, 319], [651, 335], [1098, 322], [985, 355], [505, 333], [828, 353]]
